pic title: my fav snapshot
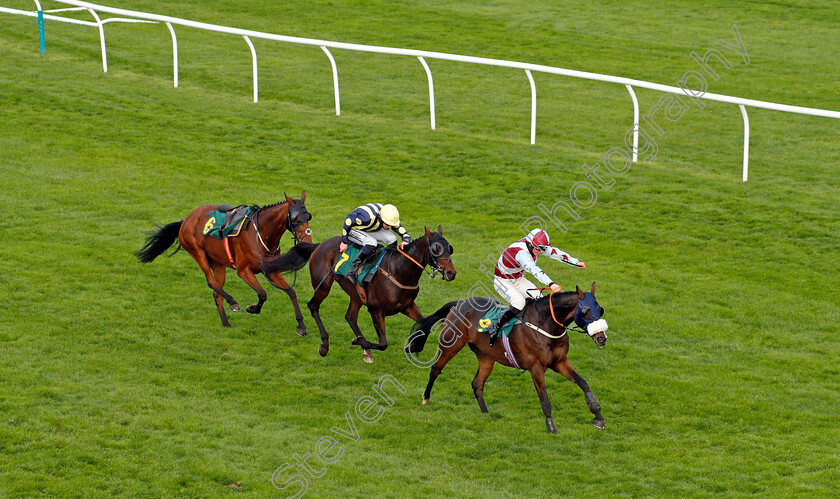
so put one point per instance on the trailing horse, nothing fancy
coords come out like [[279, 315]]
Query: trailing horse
[[251, 252], [539, 342], [392, 290]]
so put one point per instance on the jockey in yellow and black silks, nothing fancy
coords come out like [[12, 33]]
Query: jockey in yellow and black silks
[[371, 224]]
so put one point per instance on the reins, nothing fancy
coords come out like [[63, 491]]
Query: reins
[[551, 307]]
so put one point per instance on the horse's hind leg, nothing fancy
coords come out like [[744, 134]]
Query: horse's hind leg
[[213, 280], [485, 367], [314, 306], [219, 274], [449, 348], [568, 371], [248, 276]]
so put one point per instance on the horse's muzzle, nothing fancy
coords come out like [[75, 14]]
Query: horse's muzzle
[[600, 339], [449, 275]]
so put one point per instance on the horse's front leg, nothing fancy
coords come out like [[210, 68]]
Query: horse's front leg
[[378, 324], [219, 273], [248, 276], [282, 284], [352, 318], [538, 375], [566, 369]]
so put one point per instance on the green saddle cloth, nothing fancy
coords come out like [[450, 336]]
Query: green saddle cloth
[[215, 223], [345, 262], [493, 316]]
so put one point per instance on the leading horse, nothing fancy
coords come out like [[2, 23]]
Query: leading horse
[[392, 291], [539, 342], [260, 237]]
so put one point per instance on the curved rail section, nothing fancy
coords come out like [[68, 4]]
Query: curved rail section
[[422, 55]]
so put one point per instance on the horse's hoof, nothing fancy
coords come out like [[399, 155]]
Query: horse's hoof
[[235, 307], [252, 309], [356, 341], [301, 331], [599, 423], [368, 357], [323, 349], [550, 426], [425, 401]]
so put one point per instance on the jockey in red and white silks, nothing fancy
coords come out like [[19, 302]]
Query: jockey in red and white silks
[[521, 257]]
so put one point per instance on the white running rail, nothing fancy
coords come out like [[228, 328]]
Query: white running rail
[[629, 83]]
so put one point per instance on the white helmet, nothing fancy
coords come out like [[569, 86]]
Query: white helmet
[[390, 215], [538, 238]]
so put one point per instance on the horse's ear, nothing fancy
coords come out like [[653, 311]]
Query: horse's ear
[[440, 230], [303, 197], [579, 292], [593, 287], [428, 234], [289, 200]]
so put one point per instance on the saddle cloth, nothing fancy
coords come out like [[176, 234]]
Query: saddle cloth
[[493, 316], [227, 222]]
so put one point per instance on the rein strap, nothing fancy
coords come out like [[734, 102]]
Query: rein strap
[[403, 253], [551, 307]]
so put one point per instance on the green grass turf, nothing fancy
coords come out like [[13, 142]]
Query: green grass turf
[[720, 375]]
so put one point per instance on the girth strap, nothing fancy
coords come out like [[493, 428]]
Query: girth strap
[[227, 251]]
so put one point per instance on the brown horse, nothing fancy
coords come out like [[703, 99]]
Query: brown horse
[[539, 342], [392, 290], [261, 236]]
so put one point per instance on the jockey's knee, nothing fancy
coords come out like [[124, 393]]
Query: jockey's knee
[[517, 302], [389, 238]]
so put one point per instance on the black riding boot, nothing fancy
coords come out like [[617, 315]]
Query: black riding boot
[[496, 328], [361, 259]]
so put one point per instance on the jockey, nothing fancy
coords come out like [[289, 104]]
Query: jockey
[[370, 224], [510, 280]]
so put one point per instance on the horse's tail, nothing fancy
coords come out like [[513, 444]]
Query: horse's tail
[[294, 259], [158, 241], [422, 328]]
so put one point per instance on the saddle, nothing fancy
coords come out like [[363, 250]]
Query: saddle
[[345, 261], [492, 316], [228, 221]]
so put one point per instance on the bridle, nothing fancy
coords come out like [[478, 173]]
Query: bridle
[[295, 228], [431, 260], [289, 226]]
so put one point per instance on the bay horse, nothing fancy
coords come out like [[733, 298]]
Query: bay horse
[[539, 342], [392, 291], [261, 236]]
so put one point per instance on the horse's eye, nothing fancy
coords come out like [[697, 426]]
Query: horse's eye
[[585, 312], [296, 218], [437, 249]]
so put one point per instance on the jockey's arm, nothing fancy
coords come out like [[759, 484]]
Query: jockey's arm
[[530, 266], [561, 256], [400, 231]]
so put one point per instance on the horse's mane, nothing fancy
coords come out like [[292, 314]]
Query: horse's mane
[[272, 205], [543, 302]]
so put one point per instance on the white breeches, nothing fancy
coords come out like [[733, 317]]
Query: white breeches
[[515, 291]]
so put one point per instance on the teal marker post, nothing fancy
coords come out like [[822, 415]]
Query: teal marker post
[[41, 32]]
